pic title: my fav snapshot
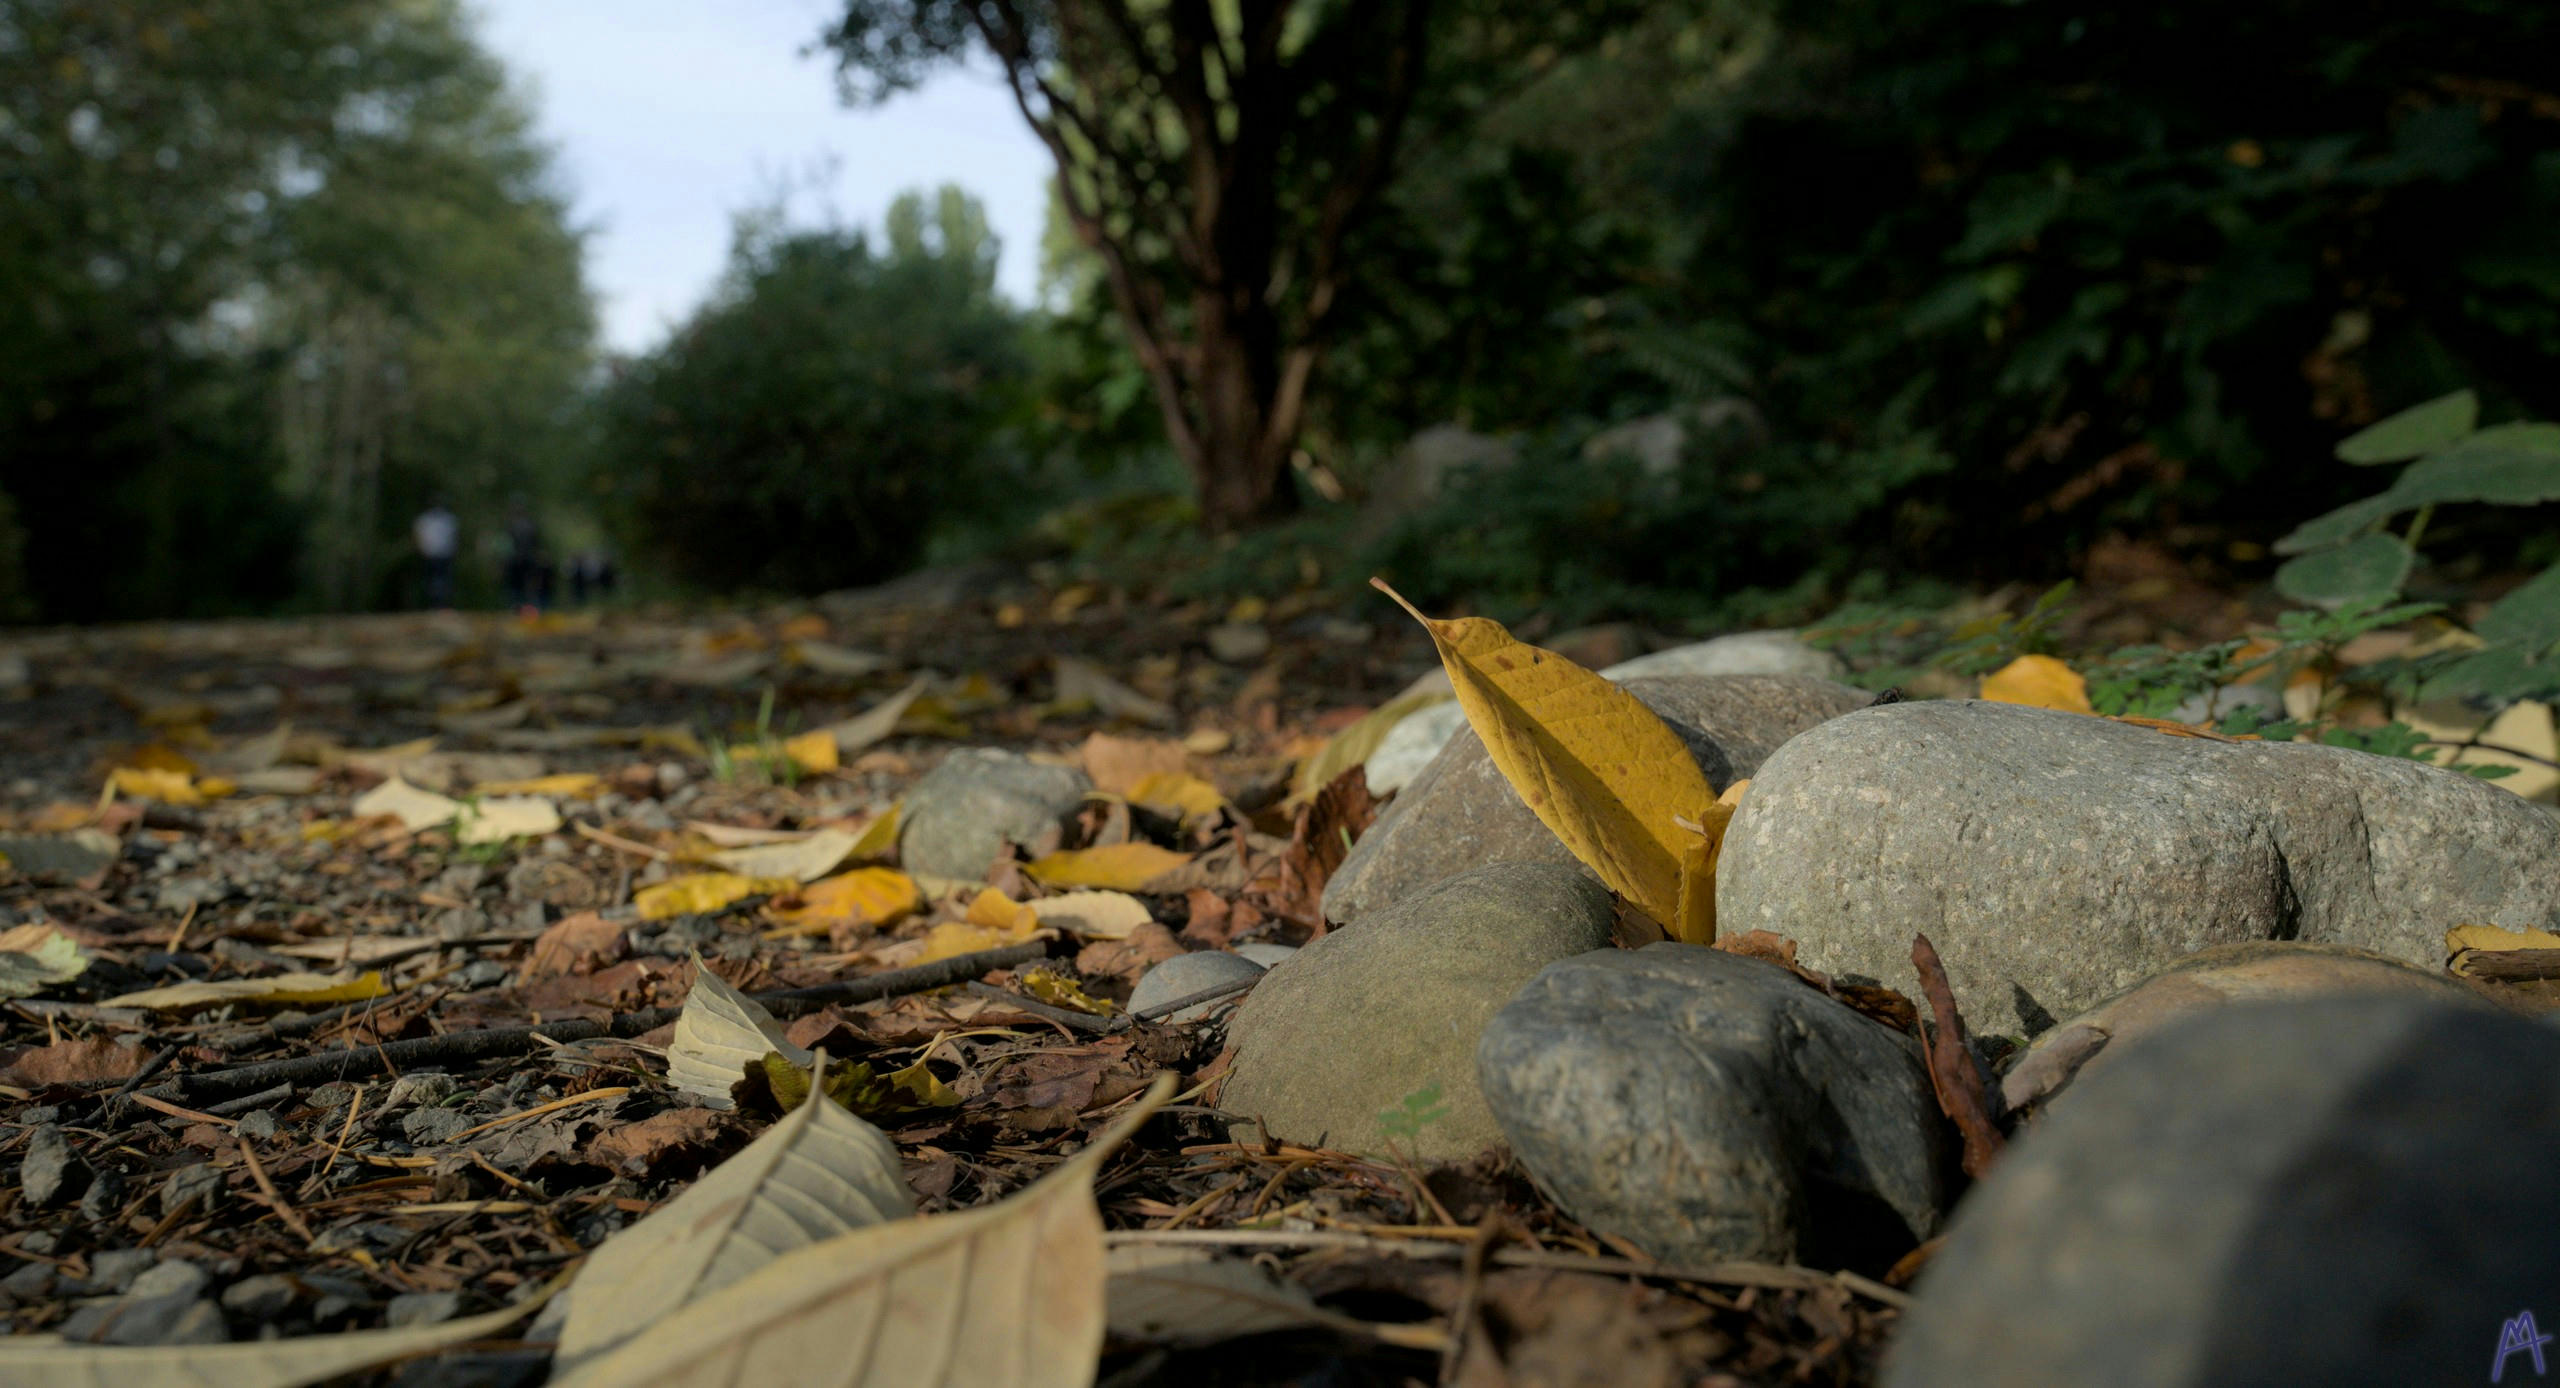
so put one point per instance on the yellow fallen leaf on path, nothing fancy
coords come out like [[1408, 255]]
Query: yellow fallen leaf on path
[[1178, 795], [166, 785], [2463, 939], [1354, 745], [813, 751], [571, 783], [802, 857], [1093, 915], [879, 838], [994, 921], [415, 809], [501, 818], [704, 892], [1008, 1295], [871, 896], [1119, 867], [2038, 681], [1605, 773], [299, 990]]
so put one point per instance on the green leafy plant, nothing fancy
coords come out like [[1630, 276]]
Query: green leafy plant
[[1419, 1110], [2351, 554]]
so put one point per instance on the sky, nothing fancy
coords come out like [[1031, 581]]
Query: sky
[[671, 115]]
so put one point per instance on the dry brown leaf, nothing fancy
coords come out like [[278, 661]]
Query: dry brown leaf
[[34, 1359], [94, 1061], [1092, 915], [877, 721], [720, 1032], [1008, 1295], [575, 944], [802, 858], [1116, 764]]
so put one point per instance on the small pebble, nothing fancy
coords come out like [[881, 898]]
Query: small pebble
[[200, 1182], [114, 1270], [262, 1297], [429, 1127], [422, 1308], [51, 1173]]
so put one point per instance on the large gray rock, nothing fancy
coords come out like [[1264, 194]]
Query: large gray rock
[[1705, 1106], [1367, 1018], [963, 812], [2346, 1191], [2253, 971], [2055, 858], [1742, 653], [1460, 812]]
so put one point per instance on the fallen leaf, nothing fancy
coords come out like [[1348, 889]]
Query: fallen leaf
[[295, 989], [1058, 990], [1208, 742], [385, 762], [2495, 937], [721, 1032], [1173, 1295], [805, 858], [169, 787], [415, 809], [1124, 867], [704, 892], [1092, 915], [506, 817], [1598, 768], [864, 897], [812, 751], [818, 1173], [1177, 795], [842, 662], [35, 957], [879, 838], [1117, 764], [1008, 1295], [575, 944], [287, 1363], [576, 784], [994, 921], [857, 1088], [1081, 682], [877, 721], [1354, 745], [2038, 681], [97, 1060]]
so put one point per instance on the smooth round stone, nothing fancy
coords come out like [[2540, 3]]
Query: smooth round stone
[[961, 814], [1705, 1105], [2056, 859], [1266, 954], [2253, 971], [2354, 1192], [1368, 1034], [1186, 974], [1742, 653]]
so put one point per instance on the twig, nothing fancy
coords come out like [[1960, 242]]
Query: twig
[[463, 1047], [345, 1130], [247, 1102], [1774, 1276], [1952, 1072], [1063, 1016], [275, 1201], [1167, 1009], [1462, 1317], [157, 1062], [2474, 743], [2508, 965], [618, 842], [160, 1105], [614, 1092]]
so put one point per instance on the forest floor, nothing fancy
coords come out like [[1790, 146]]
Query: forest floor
[[180, 801]]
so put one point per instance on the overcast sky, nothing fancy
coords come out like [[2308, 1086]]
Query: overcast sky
[[670, 115]]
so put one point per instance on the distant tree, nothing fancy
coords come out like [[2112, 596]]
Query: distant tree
[[807, 427], [1217, 158]]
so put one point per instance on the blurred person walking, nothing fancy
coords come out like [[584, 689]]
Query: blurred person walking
[[438, 535]]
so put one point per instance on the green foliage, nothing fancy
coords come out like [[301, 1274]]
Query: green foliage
[[1418, 1110], [2344, 557], [277, 270], [810, 425]]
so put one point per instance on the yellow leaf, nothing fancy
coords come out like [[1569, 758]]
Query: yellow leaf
[[1119, 867], [415, 809], [166, 786], [1178, 795], [814, 751], [2038, 681], [573, 783], [1058, 990], [704, 892], [299, 990], [1354, 745], [871, 896], [1008, 1295], [1608, 776], [994, 921], [1093, 915], [879, 838], [878, 721]]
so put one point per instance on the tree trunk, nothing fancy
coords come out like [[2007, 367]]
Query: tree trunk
[[1242, 428]]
